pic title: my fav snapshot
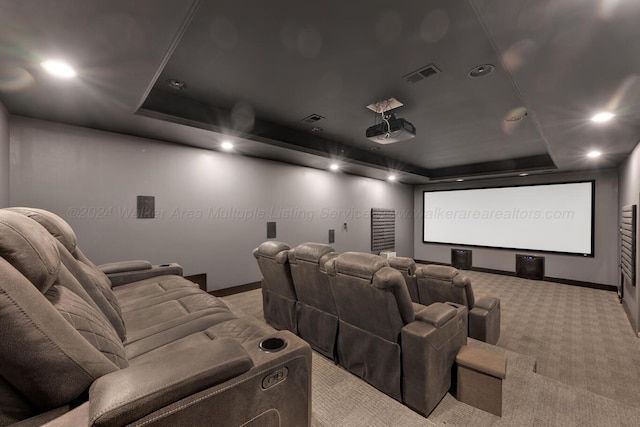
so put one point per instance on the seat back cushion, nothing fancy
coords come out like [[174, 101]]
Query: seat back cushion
[[42, 356], [373, 305], [309, 279], [95, 283], [407, 267], [98, 286], [89, 323], [273, 261], [370, 295]]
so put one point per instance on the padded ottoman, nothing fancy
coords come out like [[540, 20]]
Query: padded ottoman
[[480, 375]]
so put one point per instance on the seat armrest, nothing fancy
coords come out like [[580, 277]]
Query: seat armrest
[[129, 394], [484, 320], [125, 277], [428, 354], [278, 386], [487, 302], [436, 314], [124, 266]]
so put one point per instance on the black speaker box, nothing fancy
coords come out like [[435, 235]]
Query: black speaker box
[[271, 230], [461, 259], [530, 266]]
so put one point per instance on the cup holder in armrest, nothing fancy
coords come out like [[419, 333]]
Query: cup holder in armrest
[[272, 345], [164, 265]]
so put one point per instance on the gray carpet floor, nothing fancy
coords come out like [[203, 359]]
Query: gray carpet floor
[[572, 358]]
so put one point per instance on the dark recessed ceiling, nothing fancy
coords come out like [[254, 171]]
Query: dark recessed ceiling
[[255, 70]]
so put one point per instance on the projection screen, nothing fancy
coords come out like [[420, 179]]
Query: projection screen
[[545, 217]]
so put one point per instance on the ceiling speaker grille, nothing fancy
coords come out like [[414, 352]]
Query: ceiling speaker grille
[[421, 74]]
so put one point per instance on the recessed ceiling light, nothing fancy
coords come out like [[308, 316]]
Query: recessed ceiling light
[[316, 129], [603, 116], [391, 178], [593, 154], [226, 146], [59, 68], [481, 71], [176, 84], [459, 180], [334, 167], [524, 174]]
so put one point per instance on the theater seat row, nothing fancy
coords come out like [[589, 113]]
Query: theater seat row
[[356, 309]]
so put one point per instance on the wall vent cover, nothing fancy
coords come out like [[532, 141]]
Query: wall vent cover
[[422, 73]]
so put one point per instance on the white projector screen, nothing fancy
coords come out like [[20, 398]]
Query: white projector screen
[[546, 217]]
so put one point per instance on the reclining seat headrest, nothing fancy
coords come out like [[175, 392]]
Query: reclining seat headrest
[[273, 250], [445, 283], [405, 264], [444, 273], [29, 248], [357, 264], [55, 225], [310, 252]]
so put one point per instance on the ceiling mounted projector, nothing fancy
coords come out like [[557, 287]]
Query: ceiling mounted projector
[[390, 130]]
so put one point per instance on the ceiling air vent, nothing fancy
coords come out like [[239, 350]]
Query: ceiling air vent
[[312, 118], [422, 73]]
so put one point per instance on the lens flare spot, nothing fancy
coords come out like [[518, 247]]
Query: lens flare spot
[[14, 79], [242, 117], [434, 26]]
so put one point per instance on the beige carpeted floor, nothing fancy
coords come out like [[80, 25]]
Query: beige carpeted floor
[[578, 340]]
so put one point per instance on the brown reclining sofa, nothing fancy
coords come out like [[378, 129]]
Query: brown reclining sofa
[[154, 350]]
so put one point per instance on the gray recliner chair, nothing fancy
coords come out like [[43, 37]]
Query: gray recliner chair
[[405, 353], [317, 313], [279, 299], [440, 283], [407, 267]]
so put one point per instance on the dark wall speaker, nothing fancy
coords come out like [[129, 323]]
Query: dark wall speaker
[[146, 207], [271, 230], [530, 266], [461, 259]]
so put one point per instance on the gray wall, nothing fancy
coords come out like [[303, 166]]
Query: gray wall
[[212, 207], [603, 268], [629, 178], [4, 156]]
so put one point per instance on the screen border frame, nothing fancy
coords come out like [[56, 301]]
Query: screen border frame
[[583, 255]]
